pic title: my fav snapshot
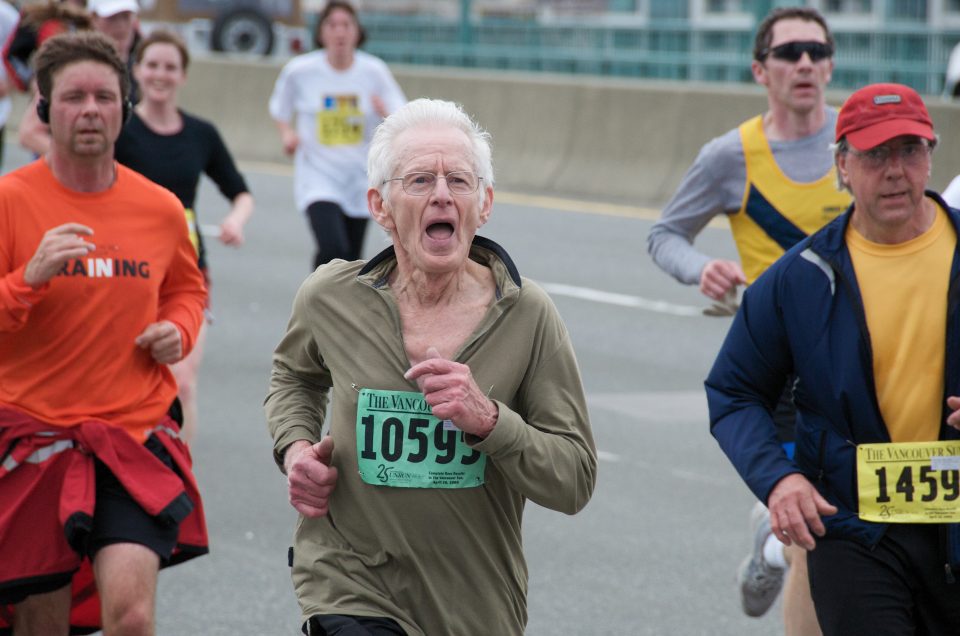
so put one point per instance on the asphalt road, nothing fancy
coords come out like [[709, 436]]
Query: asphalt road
[[656, 549]]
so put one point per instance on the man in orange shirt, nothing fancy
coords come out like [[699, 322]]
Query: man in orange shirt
[[99, 292]]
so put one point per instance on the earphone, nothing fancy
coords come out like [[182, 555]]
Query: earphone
[[43, 110]]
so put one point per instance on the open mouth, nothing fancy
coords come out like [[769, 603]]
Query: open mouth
[[440, 230]]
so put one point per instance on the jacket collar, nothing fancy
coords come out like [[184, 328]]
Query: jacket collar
[[830, 241]]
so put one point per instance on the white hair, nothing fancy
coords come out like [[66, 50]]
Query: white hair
[[383, 158]]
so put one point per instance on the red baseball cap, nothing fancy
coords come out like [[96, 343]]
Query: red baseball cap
[[879, 112]]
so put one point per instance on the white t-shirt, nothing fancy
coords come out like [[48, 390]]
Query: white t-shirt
[[335, 119]]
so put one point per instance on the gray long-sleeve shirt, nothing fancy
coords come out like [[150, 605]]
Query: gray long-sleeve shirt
[[714, 184]]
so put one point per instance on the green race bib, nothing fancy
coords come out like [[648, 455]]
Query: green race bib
[[401, 444]]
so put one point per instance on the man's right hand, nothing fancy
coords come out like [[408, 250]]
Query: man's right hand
[[795, 510], [720, 276], [310, 477], [57, 247]]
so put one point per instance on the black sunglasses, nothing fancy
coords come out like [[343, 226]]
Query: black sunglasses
[[793, 51]]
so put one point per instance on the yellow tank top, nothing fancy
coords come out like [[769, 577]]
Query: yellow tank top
[[777, 212]]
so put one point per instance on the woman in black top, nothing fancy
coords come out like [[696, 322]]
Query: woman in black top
[[173, 148]]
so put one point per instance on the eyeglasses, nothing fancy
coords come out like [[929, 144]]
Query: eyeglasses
[[793, 51], [422, 183], [910, 154]]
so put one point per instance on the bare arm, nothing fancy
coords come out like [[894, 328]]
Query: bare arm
[[288, 137], [231, 228]]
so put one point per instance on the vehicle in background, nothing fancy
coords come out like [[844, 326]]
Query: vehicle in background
[[255, 27]]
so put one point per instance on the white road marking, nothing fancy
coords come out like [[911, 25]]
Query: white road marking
[[604, 456], [622, 300]]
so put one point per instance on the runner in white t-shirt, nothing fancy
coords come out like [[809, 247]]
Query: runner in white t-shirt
[[326, 104]]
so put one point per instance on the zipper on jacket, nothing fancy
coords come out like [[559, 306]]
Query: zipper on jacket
[[821, 460], [857, 302]]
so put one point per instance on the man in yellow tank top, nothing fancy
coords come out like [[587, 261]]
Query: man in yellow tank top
[[864, 315], [773, 177]]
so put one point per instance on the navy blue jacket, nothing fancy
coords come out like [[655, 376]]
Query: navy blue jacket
[[805, 316]]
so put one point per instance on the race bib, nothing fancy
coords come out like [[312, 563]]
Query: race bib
[[340, 121], [401, 444], [192, 229], [917, 482]]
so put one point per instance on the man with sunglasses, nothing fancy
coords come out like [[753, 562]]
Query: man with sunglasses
[[862, 314], [773, 177]]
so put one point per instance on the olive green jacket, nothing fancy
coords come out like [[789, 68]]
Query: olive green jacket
[[438, 561]]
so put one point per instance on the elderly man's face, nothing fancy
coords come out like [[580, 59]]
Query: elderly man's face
[[887, 183], [432, 232]]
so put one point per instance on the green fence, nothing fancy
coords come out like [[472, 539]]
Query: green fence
[[912, 54]]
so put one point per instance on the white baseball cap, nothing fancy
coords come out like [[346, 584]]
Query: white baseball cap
[[107, 8]]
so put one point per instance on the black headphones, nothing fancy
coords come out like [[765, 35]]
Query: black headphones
[[43, 110]]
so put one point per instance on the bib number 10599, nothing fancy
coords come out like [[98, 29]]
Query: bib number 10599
[[429, 439], [401, 444]]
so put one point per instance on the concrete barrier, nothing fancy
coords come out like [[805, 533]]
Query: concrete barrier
[[626, 141]]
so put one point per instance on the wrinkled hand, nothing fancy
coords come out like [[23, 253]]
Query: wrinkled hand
[[57, 246], [163, 340], [795, 510], [720, 276], [310, 477], [953, 402], [453, 394]]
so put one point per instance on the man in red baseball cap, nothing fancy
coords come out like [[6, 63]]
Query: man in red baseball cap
[[884, 143], [879, 112], [863, 314]]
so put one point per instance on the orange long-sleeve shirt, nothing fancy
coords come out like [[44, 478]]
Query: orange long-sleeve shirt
[[67, 351]]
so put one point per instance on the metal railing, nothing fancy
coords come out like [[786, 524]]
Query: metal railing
[[908, 53]]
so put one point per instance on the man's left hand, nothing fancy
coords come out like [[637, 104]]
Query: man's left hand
[[453, 394], [163, 340]]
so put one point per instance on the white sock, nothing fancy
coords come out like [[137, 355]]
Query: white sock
[[773, 553]]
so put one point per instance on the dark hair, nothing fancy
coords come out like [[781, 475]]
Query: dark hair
[[765, 31], [70, 48], [71, 17], [162, 36], [330, 8]]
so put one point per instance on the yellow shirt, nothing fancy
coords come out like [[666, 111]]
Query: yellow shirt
[[904, 290]]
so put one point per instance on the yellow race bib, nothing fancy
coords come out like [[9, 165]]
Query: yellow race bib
[[915, 482], [340, 121]]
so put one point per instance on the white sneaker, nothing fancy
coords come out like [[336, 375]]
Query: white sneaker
[[759, 581]]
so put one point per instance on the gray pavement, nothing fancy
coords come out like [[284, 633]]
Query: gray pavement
[[656, 549]]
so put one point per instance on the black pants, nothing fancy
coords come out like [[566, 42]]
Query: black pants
[[336, 625], [897, 588], [336, 234]]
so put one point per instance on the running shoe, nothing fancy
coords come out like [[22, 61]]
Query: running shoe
[[759, 581]]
